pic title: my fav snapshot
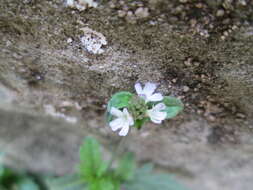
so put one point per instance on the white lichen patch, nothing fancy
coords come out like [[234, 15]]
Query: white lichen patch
[[93, 41], [50, 110], [6, 95], [81, 5]]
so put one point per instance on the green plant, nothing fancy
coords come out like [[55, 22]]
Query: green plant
[[125, 109], [11, 179], [94, 174]]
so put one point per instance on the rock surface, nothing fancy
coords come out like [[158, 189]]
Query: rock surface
[[204, 58]]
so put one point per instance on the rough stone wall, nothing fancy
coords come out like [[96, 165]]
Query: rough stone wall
[[190, 48]]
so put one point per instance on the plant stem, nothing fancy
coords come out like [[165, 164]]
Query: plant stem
[[119, 148]]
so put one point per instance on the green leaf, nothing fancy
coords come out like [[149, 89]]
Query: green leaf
[[106, 184], [16, 180], [144, 179], [91, 163], [140, 122], [26, 184], [173, 106], [2, 172], [118, 100], [102, 184], [8, 177], [126, 167], [67, 182]]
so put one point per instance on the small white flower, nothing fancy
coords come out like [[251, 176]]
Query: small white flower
[[123, 121], [147, 92], [156, 114]]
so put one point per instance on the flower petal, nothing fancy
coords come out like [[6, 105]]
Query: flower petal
[[124, 130], [117, 124], [155, 97], [129, 118], [160, 106], [160, 115], [130, 121], [156, 121], [125, 112], [156, 116], [116, 112], [138, 88], [149, 88]]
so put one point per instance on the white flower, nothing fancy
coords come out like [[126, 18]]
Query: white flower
[[156, 114], [147, 92], [123, 121]]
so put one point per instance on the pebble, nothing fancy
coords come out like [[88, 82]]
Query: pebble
[[196, 64], [223, 37], [225, 33], [8, 43], [193, 22], [141, 12], [186, 88], [130, 17], [174, 80], [226, 21], [240, 115], [220, 13], [234, 27], [200, 112], [151, 22], [121, 13], [199, 5], [242, 2], [188, 62], [112, 5], [69, 40], [27, 1], [211, 118]]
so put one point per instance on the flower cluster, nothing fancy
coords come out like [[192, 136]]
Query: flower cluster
[[126, 109]]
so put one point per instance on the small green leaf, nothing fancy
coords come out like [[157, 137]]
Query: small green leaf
[[119, 100], [106, 184], [91, 163], [126, 167], [16, 180], [26, 184], [67, 182], [2, 172], [102, 184], [173, 106], [145, 179], [102, 169], [8, 176]]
